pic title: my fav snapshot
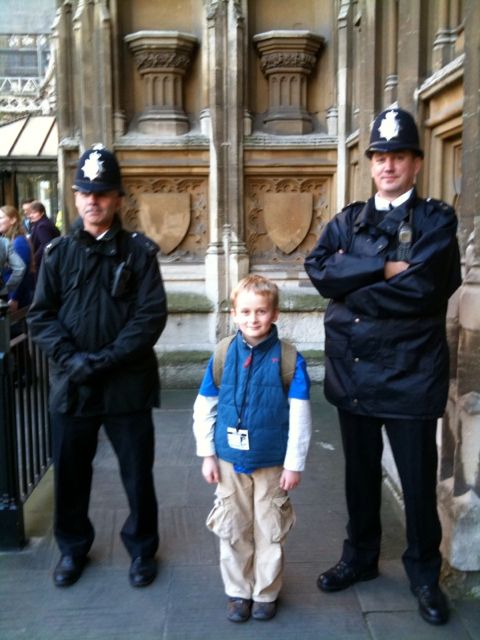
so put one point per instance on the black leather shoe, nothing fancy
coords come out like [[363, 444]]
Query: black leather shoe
[[432, 604], [343, 575], [143, 571], [238, 609], [68, 570], [264, 610]]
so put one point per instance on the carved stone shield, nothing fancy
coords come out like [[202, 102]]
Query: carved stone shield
[[288, 217], [164, 217]]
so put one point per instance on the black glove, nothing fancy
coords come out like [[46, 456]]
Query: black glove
[[79, 368], [99, 361]]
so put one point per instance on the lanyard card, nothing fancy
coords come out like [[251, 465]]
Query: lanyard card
[[238, 438]]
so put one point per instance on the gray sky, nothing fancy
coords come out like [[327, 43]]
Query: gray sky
[[27, 16]]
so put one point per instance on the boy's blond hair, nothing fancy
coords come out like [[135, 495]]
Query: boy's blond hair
[[258, 284]]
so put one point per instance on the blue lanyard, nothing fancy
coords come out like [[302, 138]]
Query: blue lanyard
[[248, 362]]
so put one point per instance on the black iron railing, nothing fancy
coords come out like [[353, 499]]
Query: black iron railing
[[25, 439]]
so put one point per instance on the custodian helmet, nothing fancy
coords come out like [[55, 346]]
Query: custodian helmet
[[394, 130], [98, 170]]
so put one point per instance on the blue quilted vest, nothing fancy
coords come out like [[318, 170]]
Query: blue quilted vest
[[252, 397]]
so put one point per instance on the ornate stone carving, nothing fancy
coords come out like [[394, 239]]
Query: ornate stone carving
[[165, 217], [281, 61], [162, 59], [172, 211], [284, 217], [150, 61], [288, 217], [286, 59]]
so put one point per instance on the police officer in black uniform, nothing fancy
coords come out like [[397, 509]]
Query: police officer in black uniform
[[389, 267], [98, 310]]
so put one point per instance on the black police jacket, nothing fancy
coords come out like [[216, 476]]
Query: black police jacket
[[385, 341], [101, 305]]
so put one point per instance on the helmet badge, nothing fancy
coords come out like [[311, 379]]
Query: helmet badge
[[93, 166], [390, 126]]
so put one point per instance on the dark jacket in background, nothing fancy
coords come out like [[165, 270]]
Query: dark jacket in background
[[386, 349], [41, 233], [75, 312]]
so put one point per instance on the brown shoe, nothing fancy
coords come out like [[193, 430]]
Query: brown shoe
[[238, 609], [264, 610]]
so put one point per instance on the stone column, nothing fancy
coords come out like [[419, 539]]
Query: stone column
[[63, 49], [409, 53], [344, 81], [162, 58], [391, 80], [443, 36], [83, 60], [227, 258], [119, 116], [92, 60], [287, 58], [368, 51]]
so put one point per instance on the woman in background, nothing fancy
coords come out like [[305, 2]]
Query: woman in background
[[11, 227]]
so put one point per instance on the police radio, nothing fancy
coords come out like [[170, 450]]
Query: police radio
[[122, 277], [405, 238]]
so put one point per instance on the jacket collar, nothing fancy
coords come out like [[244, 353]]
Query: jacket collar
[[390, 220], [261, 346], [106, 244], [381, 204]]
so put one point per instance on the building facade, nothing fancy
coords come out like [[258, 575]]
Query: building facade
[[240, 126], [28, 133]]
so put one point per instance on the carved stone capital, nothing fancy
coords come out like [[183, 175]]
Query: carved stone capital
[[151, 61], [279, 61], [162, 59], [286, 59]]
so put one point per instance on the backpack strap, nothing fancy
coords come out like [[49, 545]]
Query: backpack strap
[[219, 356], [288, 361]]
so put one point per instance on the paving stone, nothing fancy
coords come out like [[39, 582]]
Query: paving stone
[[404, 625], [389, 592], [469, 613], [187, 600]]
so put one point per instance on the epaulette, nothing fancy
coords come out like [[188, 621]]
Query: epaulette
[[146, 242], [52, 244], [438, 204], [355, 203]]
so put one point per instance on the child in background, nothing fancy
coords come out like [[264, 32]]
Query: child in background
[[253, 435]]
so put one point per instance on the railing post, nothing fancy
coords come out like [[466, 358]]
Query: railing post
[[12, 530]]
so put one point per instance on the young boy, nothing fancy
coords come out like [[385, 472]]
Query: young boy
[[253, 436]]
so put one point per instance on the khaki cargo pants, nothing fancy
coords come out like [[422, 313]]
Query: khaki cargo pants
[[252, 517]]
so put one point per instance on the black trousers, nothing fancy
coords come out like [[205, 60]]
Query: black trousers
[[415, 452], [74, 446]]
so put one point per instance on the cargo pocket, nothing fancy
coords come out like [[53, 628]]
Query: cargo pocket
[[283, 518], [220, 518]]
